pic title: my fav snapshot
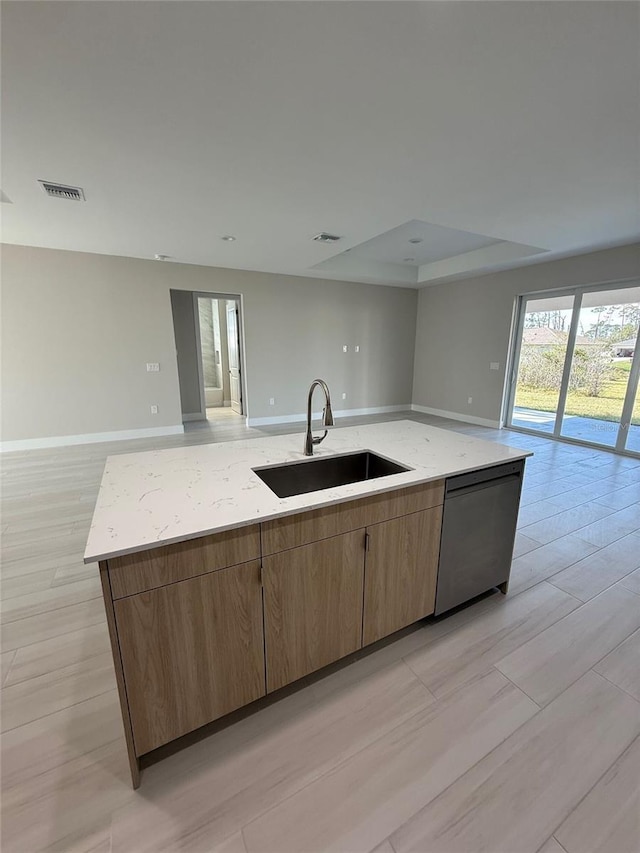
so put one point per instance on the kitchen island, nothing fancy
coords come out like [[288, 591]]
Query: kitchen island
[[219, 592]]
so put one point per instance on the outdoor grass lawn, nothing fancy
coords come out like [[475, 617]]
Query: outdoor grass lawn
[[606, 407]]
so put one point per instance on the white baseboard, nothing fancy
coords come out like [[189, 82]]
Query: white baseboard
[[372, 410], [455, 416], [342, 413], [193, 416], [88, 438]]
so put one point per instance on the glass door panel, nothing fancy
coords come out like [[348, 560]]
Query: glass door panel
[[600, 365], [543, 347], [633, 431]]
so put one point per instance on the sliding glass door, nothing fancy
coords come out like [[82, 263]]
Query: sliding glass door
[[633, 430], [606, 335], [576, 365], [543, 344]]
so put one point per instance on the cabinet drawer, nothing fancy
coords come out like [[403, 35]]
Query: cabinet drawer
[[295, 530], [172, 563]]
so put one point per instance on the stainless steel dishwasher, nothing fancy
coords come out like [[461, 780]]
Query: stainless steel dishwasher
[[478, 533]]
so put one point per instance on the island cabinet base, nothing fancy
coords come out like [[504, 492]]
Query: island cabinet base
[[201, 628]]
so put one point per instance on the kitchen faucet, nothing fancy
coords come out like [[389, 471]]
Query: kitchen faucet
[[327, 416]]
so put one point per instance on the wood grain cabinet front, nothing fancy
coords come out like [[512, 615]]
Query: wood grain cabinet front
[[312, 606], [401, 570], [191, 652], [182, 560], [302, 528]]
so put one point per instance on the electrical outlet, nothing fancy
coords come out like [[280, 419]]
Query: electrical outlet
[[153, 367], [154, 410], [272, 401], [357, 348], [470, 400], [345, 348], [344, 395]]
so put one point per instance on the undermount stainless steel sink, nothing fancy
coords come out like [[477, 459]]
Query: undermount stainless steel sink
[[298, 478]]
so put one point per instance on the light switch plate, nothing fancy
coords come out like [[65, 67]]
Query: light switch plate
[[345, 348], [494, 365], [153, 367]]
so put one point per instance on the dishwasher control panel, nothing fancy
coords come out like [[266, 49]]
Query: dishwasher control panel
[[473, 478]]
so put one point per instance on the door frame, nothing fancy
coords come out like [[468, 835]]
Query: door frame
[[204, 294], [577, 291]]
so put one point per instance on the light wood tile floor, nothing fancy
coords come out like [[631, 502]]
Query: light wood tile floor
[[512, 726]]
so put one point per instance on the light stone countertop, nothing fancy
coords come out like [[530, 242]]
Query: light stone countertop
[[164, 496]]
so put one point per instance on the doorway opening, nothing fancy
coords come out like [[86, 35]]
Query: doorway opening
[[220, 356], [208, 334], [576, 366]]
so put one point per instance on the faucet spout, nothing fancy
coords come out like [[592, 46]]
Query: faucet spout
[[327, 416]]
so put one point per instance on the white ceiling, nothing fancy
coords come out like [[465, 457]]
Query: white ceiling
[[272, 121]]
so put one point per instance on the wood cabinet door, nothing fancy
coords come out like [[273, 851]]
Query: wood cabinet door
[[191, 652], [312, 606], [400, 572]]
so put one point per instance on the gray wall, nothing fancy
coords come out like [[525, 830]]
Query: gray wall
[[78, 329], [184, 329], [462, 326]]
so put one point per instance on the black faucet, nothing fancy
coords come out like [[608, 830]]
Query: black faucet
[[327, 416]]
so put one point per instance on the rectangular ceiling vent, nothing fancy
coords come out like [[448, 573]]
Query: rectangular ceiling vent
[[323, 237], [62, 191]]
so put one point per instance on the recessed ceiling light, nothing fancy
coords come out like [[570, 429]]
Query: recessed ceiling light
[[228, 238], [162, 257], [416, 240]]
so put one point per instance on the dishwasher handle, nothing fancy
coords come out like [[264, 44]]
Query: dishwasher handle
[[484, 477], [487, 484]]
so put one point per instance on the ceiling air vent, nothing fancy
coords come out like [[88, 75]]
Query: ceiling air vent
[[62, 191], [323, 237]]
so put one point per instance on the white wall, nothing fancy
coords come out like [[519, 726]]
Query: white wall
[[464, 325], [78, 329]]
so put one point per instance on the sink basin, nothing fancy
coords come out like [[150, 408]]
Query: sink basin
[[298, 478]]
